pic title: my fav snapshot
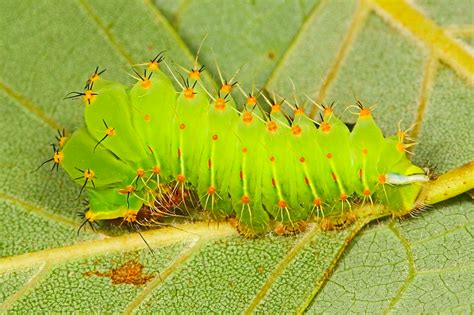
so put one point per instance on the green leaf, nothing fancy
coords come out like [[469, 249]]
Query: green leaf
[[329, 50]]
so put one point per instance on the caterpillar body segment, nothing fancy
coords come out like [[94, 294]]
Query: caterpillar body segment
[[105, 168], [218, 150], [153, 103], [144, 144]]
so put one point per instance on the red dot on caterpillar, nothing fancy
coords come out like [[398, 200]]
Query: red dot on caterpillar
[[244, 150], [329, 155], [219, 104], [245, 199], [182, 126], [302, 159], [156, 170], [147, 118], [215, 137], [272, 158], [366, 192]]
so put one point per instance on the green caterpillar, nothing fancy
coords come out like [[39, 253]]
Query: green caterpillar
[[142, 143]]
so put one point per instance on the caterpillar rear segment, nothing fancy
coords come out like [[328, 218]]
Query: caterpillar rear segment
[[259, 168]]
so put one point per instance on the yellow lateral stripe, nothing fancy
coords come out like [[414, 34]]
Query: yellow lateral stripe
[[433, 36]]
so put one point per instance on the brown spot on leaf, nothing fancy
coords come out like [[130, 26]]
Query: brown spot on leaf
[[130, 272]]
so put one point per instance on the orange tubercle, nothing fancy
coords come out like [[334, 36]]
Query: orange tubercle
[[181, 178], [153, 65], [215, 137], [89, 96], [226, 88], [211, 190], [182, 126], [220, 104], [58, 157], [156, 170], [145, 83], [140, 172], [302, 159], [272, 126], [89, 174], [365, 112], [282, 203], [247, 117], [251, 100], [194, 74], [325, 127], [400, 147], [110, 132], [296, 130], [382, 179], [276, 108], [189, 93], [299, 111], [317, 202], [130, 216], [127, 190], [245, 199], [327, 111], [366, 192], [343, 197], [147, 118]]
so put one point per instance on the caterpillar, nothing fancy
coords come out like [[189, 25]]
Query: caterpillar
[[146, 145]]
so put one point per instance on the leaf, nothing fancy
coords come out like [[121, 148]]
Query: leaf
[[331, 50]]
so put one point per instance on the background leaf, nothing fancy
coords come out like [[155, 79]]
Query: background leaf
[[330, 50]]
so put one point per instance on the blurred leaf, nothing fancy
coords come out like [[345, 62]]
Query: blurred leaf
[[330, 50]]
